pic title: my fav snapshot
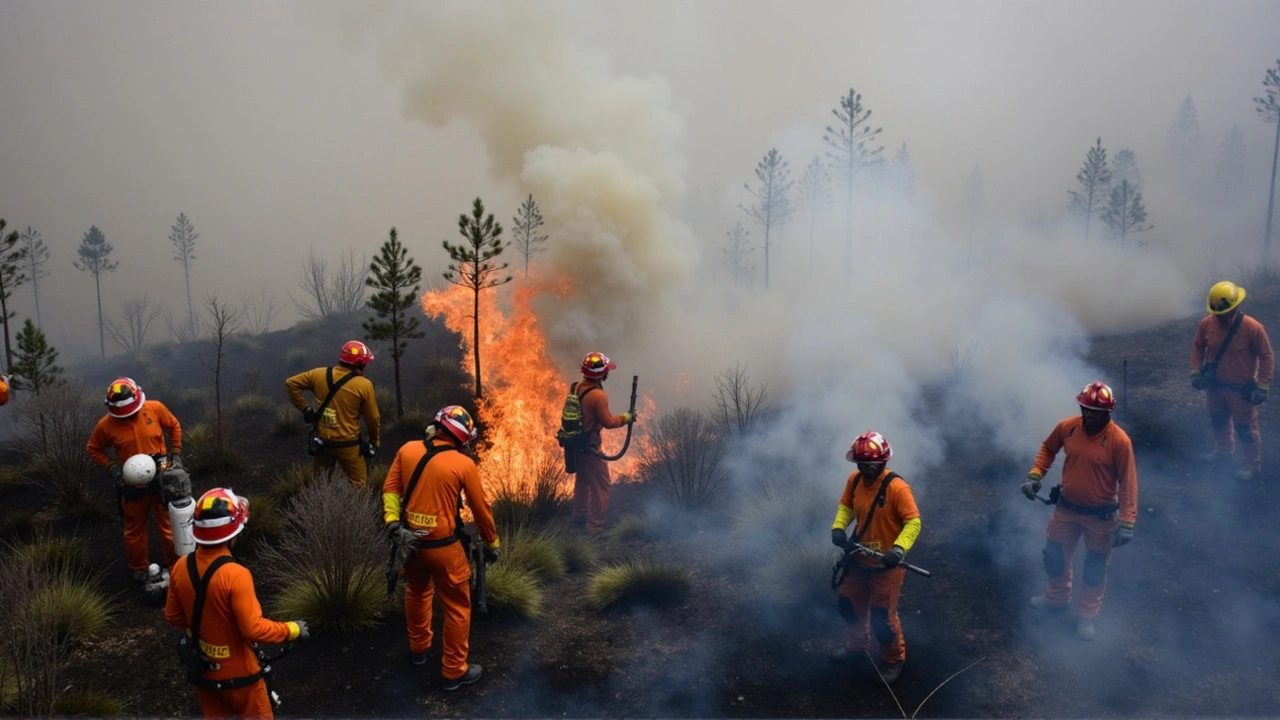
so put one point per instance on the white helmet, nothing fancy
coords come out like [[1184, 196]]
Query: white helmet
[[139, 470]]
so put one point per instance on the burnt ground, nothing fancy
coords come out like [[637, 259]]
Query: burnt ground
[[1188, 626]]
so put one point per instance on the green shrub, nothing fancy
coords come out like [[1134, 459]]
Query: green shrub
[[197, 440], [265, 520], [292, 481], [343, 602], [579, 552], [514, 589], [69, 609], [639, 582], [57, 554], [629, 529], [252, 404], [537, 552], [8, 685], [88, 703]]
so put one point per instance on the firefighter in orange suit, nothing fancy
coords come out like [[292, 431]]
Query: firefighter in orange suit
[[429, 519], [135, 425], [338, 427], [877, 507], [1236, 383], [1098, 500], [231, 618], [591, 482], [4, 389]]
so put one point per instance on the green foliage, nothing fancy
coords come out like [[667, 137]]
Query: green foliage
[[88, 703], [12, 274], [1124, 212], [205, 455], [473, 265], [395, 278], [514, 589], [69, 609], [579, 552], [344, 602], [35, 363], [252, 404], [524, 229], [536, 551], [60, 555], [629, 530], [265, 520], [639, 582], [1095, 180]]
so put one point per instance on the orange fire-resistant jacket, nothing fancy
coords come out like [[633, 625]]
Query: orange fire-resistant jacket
[[434, 504], [595, 410], [1097, 470], [341, 421], [891, 525], [142, 433], [4, 391], [232, 615], [1248, 358]]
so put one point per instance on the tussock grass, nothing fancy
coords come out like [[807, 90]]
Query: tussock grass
[[414, 419], [378, 476], [11, 479], [197, 440], [252, 404], [796, 574], [69, 609], [629, 529], [59, 555], [90, 508], [639, 582], [343, 602], [286, 421], [293, 480], [265, 520], [783, 509], [8, 685], [535, 551], [513, 588], [579, 553], [88, 703]]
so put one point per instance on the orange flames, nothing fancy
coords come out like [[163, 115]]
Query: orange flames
[[523, 392]]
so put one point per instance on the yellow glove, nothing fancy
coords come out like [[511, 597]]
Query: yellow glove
[[628, 417]]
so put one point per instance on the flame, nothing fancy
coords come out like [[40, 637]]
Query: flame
[[523, 390]]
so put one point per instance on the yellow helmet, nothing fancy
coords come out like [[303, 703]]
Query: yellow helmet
[[1224, 297]]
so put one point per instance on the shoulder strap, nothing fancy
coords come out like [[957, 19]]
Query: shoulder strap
[[201, 585], [432, 451], [333, 389], [1231, 333], [877, 502]]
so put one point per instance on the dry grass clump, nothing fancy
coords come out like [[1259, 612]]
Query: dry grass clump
[[513, 589], [639, 582]]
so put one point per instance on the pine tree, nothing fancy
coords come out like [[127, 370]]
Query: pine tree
[[37, 260], [1125, 214], [12, 274], [772, 207], [735, 255], [1124, 168], [35, 364], [1182, 142], [473, 265], [183, 236], [850, 152], [95, 259], [1268, 107], [1095, 180], [395, 279], [524, 231]]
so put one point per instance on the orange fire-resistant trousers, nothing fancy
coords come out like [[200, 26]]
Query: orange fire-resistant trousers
[[136, 542], [444, 571], [1064, 531], [1233, 418], [245, 702], [591, 492], [348, 458], [874, 600]]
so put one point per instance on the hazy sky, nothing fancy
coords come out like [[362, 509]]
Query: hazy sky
[[277, 127]]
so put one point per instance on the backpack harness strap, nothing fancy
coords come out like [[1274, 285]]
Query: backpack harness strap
[[333, 390], [432, 451]]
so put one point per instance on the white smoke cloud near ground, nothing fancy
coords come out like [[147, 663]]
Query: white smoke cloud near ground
[[602, 154]]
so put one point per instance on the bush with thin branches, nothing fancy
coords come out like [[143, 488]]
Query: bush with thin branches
[[737, 400], [54, 426], [639, 582], [684, 455], [329, 558]]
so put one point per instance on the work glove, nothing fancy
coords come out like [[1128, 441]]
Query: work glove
[[1198, 381], [309, 416], [368, 449], [1124, 534], [304, 632], [490, 555], [1259, 395], [628, 417], [1032, 485], [117, 474], [398, 533], [175, 461], [839, 538], [893, 557]]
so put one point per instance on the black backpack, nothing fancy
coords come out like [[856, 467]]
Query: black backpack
[[572, 435]]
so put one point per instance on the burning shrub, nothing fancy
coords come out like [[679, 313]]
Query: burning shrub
[[55, 423], [89, 703], [684, 455], [639, 582], [514, 589], [578, 552], [537, 499], [328, 559]]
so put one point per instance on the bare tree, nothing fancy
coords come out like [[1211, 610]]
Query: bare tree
[[331, 291], [136, 317], [1182, 141], [1268, 107], [1095, 182], [95, 259], [12, 274], [183, 236], [736, 253], [473, 265], [1230, 170], [850, 152], [815, 198], [37, 262], [53, 426], [258, 312], [524, 231], [684, 454], [222, 323], [737, 400], [772, 206]]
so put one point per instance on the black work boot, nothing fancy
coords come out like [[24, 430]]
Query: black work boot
[[889, 672], [471, 675]]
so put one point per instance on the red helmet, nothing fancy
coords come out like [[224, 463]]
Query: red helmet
[[1097, 396], [869, 447], [356, 353], [124, 398], [220, 515], [596, 365], [457, 421]]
